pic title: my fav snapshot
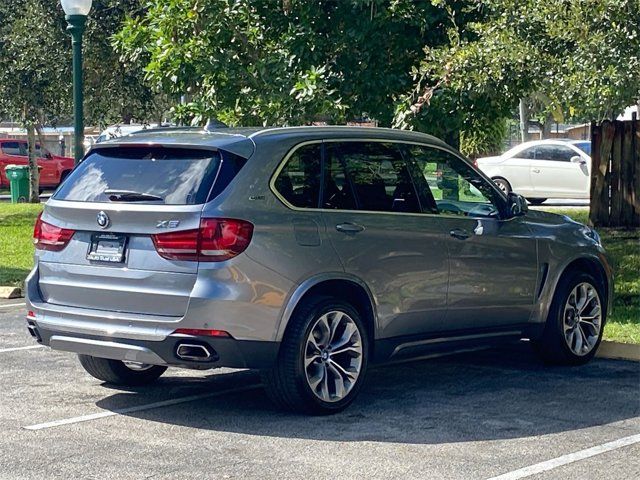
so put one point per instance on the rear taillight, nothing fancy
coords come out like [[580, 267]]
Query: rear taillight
[[50, 237], [216, 240]]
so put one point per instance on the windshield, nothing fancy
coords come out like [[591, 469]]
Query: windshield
[[169, 176]]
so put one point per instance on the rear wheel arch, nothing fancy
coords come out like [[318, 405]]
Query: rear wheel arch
[[350, 290]]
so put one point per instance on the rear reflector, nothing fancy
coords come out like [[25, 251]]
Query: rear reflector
[[203, 333], [216, 240], [49, 237], [31, 315]]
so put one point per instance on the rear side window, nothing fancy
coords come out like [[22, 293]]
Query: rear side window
[[528, 153], [299, 181], [160, 175], [584, 146], [11, 148]]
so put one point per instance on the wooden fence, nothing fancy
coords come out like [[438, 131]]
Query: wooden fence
[[615, 174]]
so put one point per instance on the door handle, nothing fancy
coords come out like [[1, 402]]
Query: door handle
[[536, 170], [459, 234], [349, 227]]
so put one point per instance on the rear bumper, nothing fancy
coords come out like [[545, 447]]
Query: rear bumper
[[137, 338], [222, 352]]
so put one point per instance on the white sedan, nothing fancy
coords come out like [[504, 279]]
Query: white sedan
[[542, 169]]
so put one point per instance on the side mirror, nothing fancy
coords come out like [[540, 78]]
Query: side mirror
[[517, 204], [579, 160]]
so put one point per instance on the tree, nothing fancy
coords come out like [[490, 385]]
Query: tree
[[35, 70], [115, 91], [32, 81], [283, 62], [575, 59]]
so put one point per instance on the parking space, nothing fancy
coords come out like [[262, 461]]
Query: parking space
[[476, 415]]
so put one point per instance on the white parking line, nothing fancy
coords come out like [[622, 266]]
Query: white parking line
[[7, 305], [15, 349], [138, 408], [569, 458]]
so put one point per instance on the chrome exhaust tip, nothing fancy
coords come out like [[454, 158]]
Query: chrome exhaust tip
[[193, 352], [33, 331]]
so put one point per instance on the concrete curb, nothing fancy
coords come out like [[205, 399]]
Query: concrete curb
[[10, 292], [619, 351]]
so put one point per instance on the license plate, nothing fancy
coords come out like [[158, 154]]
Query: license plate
[[107, 248]]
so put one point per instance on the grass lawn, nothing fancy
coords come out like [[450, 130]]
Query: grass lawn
[[16, 252], [16, 247]]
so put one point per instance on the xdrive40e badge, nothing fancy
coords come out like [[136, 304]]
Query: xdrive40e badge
[[102, 219]]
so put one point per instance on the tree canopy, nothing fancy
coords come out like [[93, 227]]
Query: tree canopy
[[284, 61], [35, 65], [578, 59]]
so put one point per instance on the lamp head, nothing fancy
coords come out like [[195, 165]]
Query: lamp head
[[76, 7]]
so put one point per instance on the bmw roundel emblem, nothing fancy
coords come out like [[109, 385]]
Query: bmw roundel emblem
[[103, 220]]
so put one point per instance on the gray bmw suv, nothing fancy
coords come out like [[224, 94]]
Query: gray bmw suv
[[307, 253]]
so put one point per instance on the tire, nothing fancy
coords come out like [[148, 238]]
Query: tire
[[118, 373], [554, 346], [288, 383], [536, 201], [64, 175], [502, 184]]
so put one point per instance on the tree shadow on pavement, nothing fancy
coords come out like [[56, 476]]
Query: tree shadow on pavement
[[493, 394]]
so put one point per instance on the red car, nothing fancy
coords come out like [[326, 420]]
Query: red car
[[53, 169]]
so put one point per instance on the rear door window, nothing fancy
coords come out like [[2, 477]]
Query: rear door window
[[169, 176], [554, 153], [376, 176]]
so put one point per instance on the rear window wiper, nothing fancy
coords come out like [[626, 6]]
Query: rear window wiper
[[130, 196]]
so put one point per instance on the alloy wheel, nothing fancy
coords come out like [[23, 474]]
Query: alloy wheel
[[502, 185], [582, 319], [333, 356]]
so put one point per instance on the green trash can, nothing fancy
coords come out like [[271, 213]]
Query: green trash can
[[18, 176]]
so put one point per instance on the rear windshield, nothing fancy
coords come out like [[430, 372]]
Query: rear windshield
[[168, 176]]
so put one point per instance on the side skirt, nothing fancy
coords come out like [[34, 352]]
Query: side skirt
[[397, 348]]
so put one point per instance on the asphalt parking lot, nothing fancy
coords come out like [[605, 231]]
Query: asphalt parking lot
[[476, 415]]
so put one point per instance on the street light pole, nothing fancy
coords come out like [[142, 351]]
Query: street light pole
[[75, 26], [76, 15]]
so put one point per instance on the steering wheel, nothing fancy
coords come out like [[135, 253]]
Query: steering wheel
[[449, 207], [482, 209]]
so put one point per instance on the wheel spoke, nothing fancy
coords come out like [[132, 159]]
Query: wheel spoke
[[593, 314], [337, 380], [351, 375], [584, 341], [310, 359], [316, 379], [324, 387], [353, 348], [349, 329], [335, 323], [324, 330]]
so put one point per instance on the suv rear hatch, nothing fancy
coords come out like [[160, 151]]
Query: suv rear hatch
[[113, 204]]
